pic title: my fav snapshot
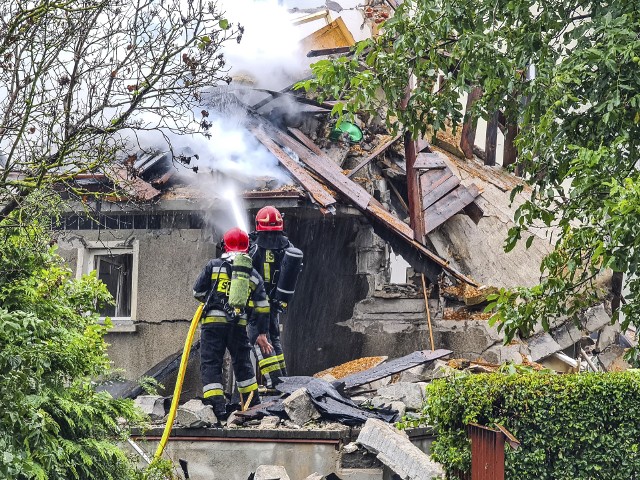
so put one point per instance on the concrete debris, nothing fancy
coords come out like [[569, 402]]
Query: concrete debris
[[499, 354], [269, 423], [195, 414], [271, 472], [441, 370], [608, 335], [411, 394], [152, 405], [399, 407], [595, 318], [300, 408], [350, 447], [395, 450], [330, 402], [612, 359], [542, 346]]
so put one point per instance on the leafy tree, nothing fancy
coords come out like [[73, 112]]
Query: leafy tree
[[81, 79], [579, 120], [53, 424]]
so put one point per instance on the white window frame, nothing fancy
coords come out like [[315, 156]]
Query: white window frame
[[86, 264]]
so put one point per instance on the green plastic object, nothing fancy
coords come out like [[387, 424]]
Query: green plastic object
[[240, 278], [354, 132]]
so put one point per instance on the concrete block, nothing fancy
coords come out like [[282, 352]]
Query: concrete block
[[541, 346], [152, 405], [195, 414], [396, 451], [360, 473], [499, 354], [271, 472], [299, 407], [350, 447], [612, 359], [608, 336], [411, 394], [269, 422], [421, 373], [567, 335], [400, 407], [596, 318], [441, 369]]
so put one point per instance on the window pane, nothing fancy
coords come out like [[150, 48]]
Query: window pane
[[115, 272]]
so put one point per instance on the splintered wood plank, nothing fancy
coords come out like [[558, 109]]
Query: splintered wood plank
[[389, 220], [426, 161], [325, 168], [438, 191], [432, 178], [447, 207], [315, 188]]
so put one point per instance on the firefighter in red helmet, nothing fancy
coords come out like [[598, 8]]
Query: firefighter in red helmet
[[223, 325], [268, 246]]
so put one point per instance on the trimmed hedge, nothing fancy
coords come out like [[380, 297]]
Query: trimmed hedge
[[572, 427]]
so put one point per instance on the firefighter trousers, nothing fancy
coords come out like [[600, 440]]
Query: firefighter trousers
[[272, 367], [215, 339]]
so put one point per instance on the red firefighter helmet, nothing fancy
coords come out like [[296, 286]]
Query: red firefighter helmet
[[269, 219], [236, 240]]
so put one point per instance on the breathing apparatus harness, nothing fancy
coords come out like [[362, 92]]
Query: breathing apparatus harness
[[234, 302]]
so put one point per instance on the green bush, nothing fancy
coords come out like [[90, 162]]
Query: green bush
[[53, 424], [572, 427]]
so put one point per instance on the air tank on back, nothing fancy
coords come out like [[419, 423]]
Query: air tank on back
[[289, 271]]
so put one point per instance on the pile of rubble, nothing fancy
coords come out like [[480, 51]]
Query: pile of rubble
[[346, 395]]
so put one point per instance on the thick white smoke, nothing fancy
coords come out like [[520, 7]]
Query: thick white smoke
[[269, 53]]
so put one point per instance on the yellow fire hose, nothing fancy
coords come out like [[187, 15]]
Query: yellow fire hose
[[179, 380]]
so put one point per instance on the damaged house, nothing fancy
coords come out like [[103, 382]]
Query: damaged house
[[403, 242]]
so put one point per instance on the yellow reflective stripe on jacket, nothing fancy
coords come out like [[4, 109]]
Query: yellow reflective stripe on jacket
[[213, 393], [242, 322], [262, 309], [280, 357], [221, 276], [267, 272]]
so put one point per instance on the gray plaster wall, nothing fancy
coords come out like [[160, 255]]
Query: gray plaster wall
[[169, 262]]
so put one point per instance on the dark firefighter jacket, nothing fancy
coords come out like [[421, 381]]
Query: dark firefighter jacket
[[217, 275], [266, 251]]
